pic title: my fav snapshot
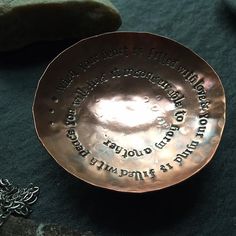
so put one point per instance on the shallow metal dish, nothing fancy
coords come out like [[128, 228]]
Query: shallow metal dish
[[131, 112]]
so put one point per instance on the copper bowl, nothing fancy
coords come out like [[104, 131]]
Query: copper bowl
[[128, 111]]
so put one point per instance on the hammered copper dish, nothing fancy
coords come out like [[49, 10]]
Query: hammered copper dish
[[132, 112]]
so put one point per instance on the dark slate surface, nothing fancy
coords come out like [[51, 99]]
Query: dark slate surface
[[203, 205]]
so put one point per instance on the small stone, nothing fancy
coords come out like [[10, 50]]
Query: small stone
[[24, 22], [231, 4]]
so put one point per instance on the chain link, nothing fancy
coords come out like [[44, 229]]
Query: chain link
[[15, 200]]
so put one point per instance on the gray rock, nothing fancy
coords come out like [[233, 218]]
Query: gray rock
[[23, 22]]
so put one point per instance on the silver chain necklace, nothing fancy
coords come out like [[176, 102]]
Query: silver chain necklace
[[15, 200]]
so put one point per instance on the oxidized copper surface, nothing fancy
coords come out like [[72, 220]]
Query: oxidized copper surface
[[131, 112]]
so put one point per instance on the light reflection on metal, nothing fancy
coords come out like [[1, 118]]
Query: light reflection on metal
[[132, 112]]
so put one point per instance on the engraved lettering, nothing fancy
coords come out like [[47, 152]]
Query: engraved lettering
[[110, 169], [147, 150], [138, 153], [203, 121], [66, 82], [118, 149], [166, 167], [137, 51], [71, 118], [162, 58], [126, 153], [137, 175], [123, 172], [174, 95], [167, 137], [179, 115], [73, 136], [82, 93], [99, 167], [167, 89], [93, 161], [107, 142], [185, 154], [104, 55], [152, 173]]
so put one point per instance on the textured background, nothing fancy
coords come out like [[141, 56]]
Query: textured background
[[203, 205]]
